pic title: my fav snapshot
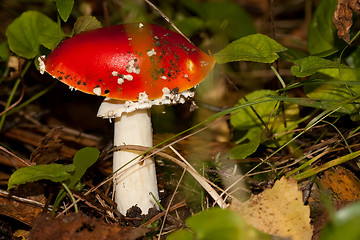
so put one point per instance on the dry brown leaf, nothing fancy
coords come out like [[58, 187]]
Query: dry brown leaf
[[17, 209], [278, 211], [21, 234], [343, 17], [342, 183], [81, 227], [49, 148]]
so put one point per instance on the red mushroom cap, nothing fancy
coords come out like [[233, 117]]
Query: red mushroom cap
[[122, 61]]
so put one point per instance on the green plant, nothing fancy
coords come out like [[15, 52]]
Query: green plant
[[69, 175], [217, 224], [331, 85], [326, 73], [343, 223]]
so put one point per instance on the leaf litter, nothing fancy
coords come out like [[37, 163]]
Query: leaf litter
[[79, 226], [278, 211]]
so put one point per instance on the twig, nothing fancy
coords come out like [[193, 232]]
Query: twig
[[172, 198], [23, 200], [8, 107], [158, 216], [167, 19], [16, 157], [152, 151], [201, 181]]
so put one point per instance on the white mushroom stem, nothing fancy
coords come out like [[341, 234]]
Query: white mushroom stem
[[135, 183], [134, 180]]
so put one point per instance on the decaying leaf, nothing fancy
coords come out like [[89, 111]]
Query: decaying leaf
[[278, 211], [343, 17], [342, 184], [21, 234], [18, 209], [49, 148], [81, 227]]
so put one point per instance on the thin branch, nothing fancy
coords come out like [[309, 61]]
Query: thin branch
[[13, 155], [171, 200], [168, 20]]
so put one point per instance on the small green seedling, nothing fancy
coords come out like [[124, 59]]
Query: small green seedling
[[68, 175]]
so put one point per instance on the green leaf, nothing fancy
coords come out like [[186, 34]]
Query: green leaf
[[245, 119], [4, 51], [344, 223], [189, 25], [221, 224], [291, 54], [231, 22], [54, 172], [182, 234], [64, 8], [32, 29], [86, 23], [255, 48], [83, 159], [321, 33], [308, 102], [334, 90], [310, 65], [241, 151]]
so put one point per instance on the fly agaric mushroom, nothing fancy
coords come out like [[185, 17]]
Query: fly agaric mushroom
[[135, 66]]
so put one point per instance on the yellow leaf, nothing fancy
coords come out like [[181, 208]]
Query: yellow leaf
[[21, 234], [278, 211]]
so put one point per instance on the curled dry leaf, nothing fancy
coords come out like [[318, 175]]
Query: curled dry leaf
[[343, 17], [278, 211], [48, 150]]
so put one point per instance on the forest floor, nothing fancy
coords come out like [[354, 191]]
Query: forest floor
[[55, 126]]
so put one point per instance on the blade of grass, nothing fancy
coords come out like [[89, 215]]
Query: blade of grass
[[71, 196], [209, 119], [169, 205], [320, 104], [279, 77], [33, 98], [307, 163], [157, 202], [325, 166], [12, 94], [342, 136], [310, 125]]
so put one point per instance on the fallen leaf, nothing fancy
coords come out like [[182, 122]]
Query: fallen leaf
[[342, 184], [78, 226], [21, 234], [17, 208], [343, 17], [49, 148], [278, 211]]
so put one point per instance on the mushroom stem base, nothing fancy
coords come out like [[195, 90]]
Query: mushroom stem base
[[135, 181]]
